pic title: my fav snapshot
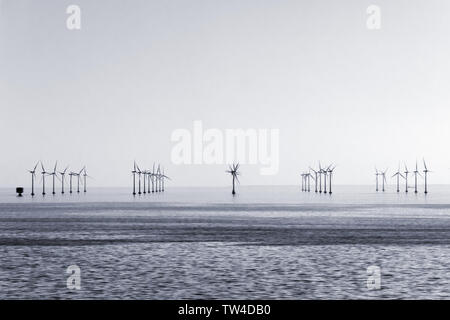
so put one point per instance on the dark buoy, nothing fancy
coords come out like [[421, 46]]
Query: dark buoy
[[19, 191]]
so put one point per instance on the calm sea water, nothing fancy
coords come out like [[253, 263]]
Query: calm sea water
[[266, 242]]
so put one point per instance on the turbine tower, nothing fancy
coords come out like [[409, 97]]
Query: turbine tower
[[85, 175], [398, 175], [330, 171], [320, 178], [71, 174], [144, 178], [54, 175], [233, 170], [78, 179], [158, 173], [153, 178], [43, 178], [134, 179], [33, 176], [149, 177], [325, 172], [425, 171], [139, 172], [416, 172], [383, 174], [315, 179], [376, 178], [63, 173], [406, 172], [308, 177]]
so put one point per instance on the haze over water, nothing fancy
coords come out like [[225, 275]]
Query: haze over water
[[266, 242]]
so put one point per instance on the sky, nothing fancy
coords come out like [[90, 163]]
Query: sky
[[116, 90]]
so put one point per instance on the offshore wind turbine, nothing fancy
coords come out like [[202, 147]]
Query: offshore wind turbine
[[233, 170], [63, 173], [308, 177], [383, 174], [33, 176], [54, 174], [416, 172], [43, 178], [85, 175], [78, 179], [398, 175], [158, 178], [320, 178], [149, 177], [330, 171], [406, 172], [303, 181], [315, 179], [71, 174], [376, 178], [425, 171], [153, 178], [145, 178], [134, 178], [164, 177], [139, 172], [325, 180]]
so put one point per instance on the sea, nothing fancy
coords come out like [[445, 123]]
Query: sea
[[203, 243]]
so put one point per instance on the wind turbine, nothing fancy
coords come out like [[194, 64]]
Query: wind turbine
[[85, 175], [164, 177], [330, 171], [325, 180], [425, 171], [315, 179], [71, 174], [376, 175], [33, 176], [416, 172], [78, 179], [134, 178], [153, 178], [406, 178], [63, 173], [54, 175], [145, 178], [149, 177], [320, 178], [43, 178], [383, 174], [158, 178], [308, 176], [139, 172], [303, 181], [398, 175], [233, 170]]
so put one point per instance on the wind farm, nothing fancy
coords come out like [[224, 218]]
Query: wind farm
[[57, 176], [148, 181], [403, 177], [321, 174]]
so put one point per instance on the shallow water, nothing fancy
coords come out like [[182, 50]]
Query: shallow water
[[202, 243]]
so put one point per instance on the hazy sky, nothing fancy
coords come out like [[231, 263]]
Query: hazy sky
[[115, 90]]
